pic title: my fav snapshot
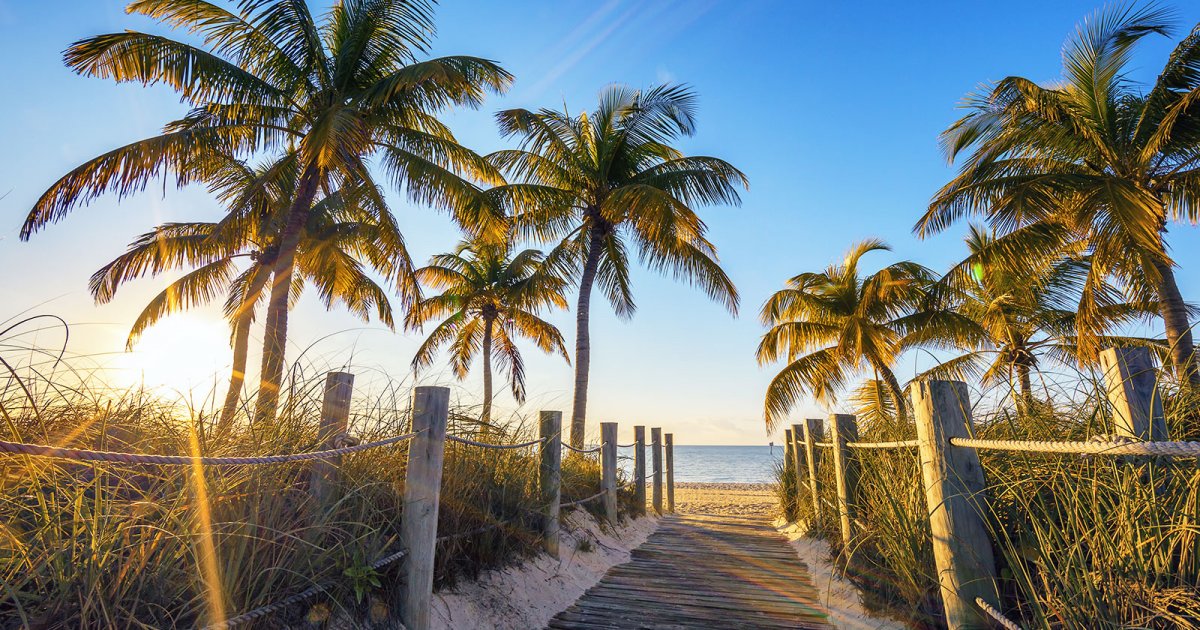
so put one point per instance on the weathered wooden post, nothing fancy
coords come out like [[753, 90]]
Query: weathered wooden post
[[789, 452], [639, 468], [656, 454], [335, 421], [670, 448], [1132, 384], [422, 487], [844, 428], [798, 461], [608, 469], [954, 495], [812, 429], [550, 477]]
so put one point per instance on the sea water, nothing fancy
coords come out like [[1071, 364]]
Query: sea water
[[716, 464]]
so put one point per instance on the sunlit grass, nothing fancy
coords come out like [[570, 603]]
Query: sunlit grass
[[1081, 542], [115, 545]]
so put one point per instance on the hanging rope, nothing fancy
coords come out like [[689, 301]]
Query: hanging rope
[[462, 440], [630, 445], [902, 444], [1108, 447], [1009, 624], [308, 593], [41, 450], [582, 501], [595, 449]]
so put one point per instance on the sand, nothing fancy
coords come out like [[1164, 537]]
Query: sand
[[739, 499], [529, 595], [839, 597]]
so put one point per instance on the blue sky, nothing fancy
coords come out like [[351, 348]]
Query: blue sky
[[832, 110]]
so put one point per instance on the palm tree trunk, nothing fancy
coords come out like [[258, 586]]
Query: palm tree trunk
[[485, 418], [1175, 323], [583, 348], [275, 334], [1026, 384], [241, 343], [243, 319]]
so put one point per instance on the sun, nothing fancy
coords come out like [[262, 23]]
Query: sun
[[183, 354]]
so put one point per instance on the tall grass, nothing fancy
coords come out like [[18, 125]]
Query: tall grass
[[1081, 542], [113, 545]]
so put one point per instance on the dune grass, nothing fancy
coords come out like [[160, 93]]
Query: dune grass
[[114, 545], [1080, 542]]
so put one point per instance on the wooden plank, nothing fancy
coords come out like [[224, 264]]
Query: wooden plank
[[751, 579]]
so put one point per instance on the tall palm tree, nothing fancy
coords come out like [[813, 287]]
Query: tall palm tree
[[1018, 291], [600, 182], [338, 243], [341, 91], [1096, 154], [832, 324], [488, 298]]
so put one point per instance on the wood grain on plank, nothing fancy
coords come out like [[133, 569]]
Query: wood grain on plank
[[702, 571]]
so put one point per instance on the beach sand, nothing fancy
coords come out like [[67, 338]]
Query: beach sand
[[738, 499]]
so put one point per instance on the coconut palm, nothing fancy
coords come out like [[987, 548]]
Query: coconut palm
[[1097, 155], [833, 324], [1019, 291], [602, 182], [338, 243], [488, 299], [341, 91]]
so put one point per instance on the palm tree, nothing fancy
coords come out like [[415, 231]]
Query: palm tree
[[338, 237], [600, 182], [832, 324], [1018, 292], [488, 299], [340, 91], [1098, 156]]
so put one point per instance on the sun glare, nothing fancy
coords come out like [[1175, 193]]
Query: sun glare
[[180, 354]]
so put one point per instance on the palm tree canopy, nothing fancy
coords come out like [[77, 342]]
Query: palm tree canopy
[[269, 75], [1017, 293], [340, 241], [482, 284], [609, 179], [1096, 158], [830, 325]]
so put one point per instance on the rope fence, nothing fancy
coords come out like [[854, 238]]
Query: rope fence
[[900, 444], [298, 598], [952, 476], [463, 440], [582, 501], [1107, 447], [594, 449], [422, 487], [42, 450]]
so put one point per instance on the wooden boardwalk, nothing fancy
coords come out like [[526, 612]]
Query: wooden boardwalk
[[702, 571]]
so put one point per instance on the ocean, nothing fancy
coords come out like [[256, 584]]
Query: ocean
[[716, 464]]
